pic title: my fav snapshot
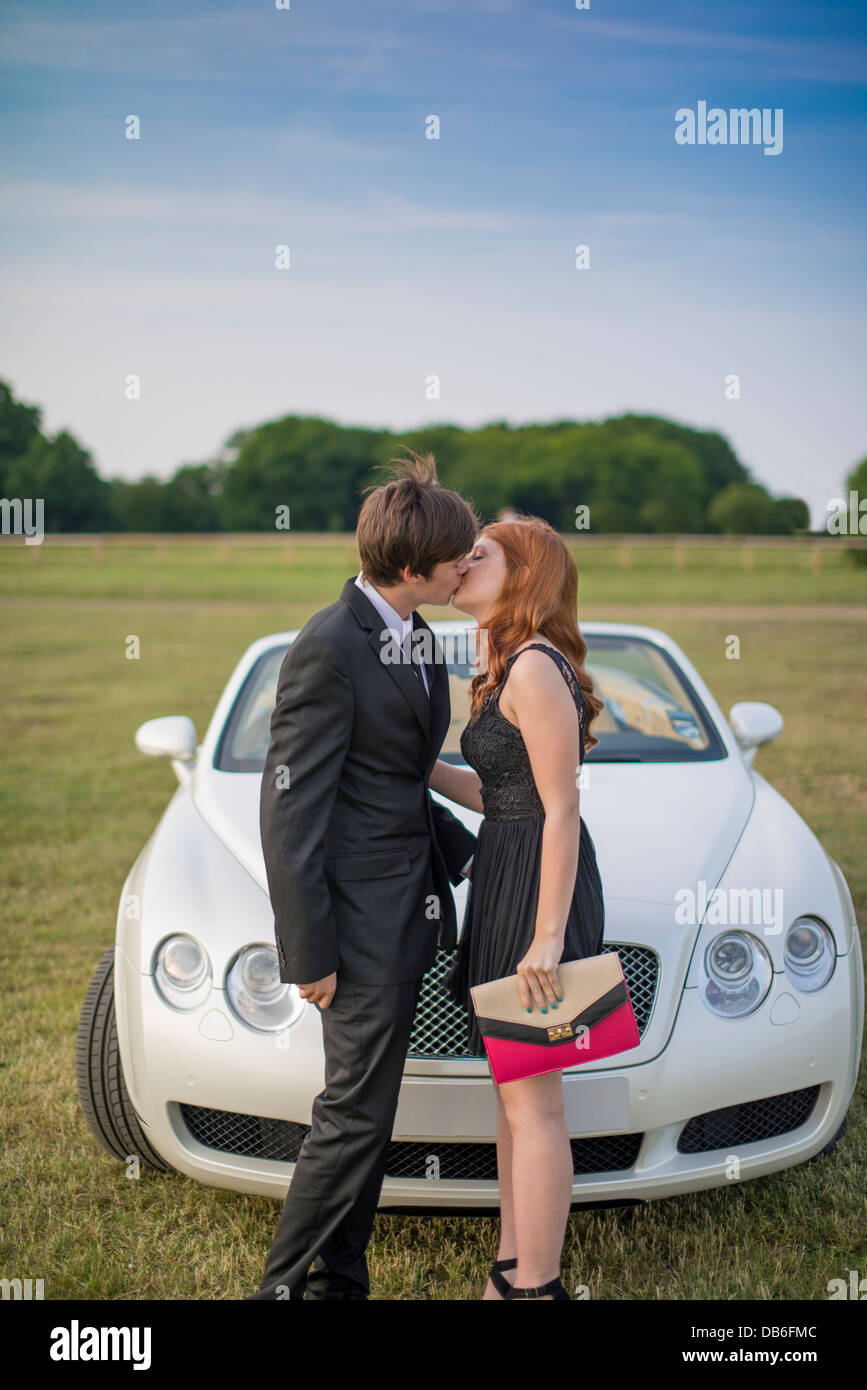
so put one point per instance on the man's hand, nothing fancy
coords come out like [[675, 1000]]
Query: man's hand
[[321, 992]]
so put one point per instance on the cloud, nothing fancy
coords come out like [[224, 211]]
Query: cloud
[[314, 143], [807, 58], [55, 201], [211, 43]]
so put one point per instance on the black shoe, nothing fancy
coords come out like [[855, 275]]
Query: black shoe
[[553, 1287], [324, 1283], [335, 1297], [500, 1284]]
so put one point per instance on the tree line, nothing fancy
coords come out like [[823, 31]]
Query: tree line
[[635, 473]]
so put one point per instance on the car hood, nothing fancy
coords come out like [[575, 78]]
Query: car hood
[[229, 803], [658, 828], [661, 827]]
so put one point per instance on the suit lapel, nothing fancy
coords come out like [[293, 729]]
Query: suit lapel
[[431, 711], [439, 704]]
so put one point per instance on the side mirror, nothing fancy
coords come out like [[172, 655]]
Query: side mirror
[[753, 724], [173, 736]]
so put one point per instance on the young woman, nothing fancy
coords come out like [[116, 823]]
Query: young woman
[[535, 896]]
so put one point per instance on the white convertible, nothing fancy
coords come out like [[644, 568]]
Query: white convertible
[[736, 931]]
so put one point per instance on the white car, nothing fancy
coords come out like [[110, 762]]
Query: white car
[[736, 932]]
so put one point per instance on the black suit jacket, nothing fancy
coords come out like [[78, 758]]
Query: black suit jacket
[[359, 856]]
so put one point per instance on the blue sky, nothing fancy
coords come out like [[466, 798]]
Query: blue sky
[[455, 257]]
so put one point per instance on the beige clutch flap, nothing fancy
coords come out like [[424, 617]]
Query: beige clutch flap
[[592, 989]]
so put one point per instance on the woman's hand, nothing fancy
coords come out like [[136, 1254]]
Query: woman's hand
[[538, 982]]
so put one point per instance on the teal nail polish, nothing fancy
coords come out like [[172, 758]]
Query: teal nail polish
[[560, 998], [544, 1011], [553, 1006], [529, 1011]]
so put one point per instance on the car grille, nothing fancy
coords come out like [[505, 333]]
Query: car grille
[[254, 1136], [259, 1136], [745, 1123], [440, 1026]]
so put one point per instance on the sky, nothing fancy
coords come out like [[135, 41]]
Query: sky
[[412, 259]]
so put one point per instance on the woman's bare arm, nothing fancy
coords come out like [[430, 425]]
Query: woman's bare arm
[[548, 720], [459, 784]]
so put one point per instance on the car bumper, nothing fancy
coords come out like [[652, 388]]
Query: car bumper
[[177, 1066]]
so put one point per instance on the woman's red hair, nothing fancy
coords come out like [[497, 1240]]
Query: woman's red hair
[[539, 594]]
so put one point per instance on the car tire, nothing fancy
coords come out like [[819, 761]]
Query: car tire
[[102, 1093]]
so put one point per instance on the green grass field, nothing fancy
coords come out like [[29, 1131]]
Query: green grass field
[[78, 802], [307, 572]]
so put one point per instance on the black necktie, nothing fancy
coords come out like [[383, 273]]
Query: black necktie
[[414, 663]]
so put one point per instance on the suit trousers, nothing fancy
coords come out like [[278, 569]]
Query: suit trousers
[[334, 1194]]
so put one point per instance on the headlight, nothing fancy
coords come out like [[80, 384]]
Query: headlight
[[256, 992], [809, 954], [183, 972], [736, 974]]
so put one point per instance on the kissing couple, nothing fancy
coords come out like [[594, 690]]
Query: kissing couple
[[357, 850]]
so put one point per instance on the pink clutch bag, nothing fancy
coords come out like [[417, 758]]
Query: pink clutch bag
[[595, 1019]]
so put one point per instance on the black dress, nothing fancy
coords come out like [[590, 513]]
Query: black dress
[[500, 915]]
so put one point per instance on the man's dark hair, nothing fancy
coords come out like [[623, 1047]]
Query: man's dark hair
[[412, 520]]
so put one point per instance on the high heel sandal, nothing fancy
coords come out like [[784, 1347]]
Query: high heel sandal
[[500, 1284], [553, 1287]]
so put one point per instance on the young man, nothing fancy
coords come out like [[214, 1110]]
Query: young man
[[359, 859]]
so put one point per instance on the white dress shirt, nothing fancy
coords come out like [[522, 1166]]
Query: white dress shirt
[[401, 628]]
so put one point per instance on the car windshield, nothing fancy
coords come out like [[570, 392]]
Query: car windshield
[[651, 712]]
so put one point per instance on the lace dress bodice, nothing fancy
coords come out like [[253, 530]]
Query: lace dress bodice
[[495, 749]]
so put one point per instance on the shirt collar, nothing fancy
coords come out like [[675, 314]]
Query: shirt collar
[[389, 615]]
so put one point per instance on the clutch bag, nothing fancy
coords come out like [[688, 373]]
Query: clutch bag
[[595, 1019]]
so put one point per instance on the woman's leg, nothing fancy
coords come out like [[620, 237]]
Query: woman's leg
[[541, 1174], [507, 1249]]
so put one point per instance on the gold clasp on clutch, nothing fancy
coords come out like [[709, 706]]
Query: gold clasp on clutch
[[560, 1030]]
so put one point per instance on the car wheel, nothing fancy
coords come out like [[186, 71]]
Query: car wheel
[[108, 1110]]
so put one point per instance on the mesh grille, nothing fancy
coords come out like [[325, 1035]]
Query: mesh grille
[[440, 1027], [604, 1154], [744, 1124], [254, 1136]]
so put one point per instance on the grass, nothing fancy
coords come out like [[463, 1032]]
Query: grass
[[77, 802], [250, 572]]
